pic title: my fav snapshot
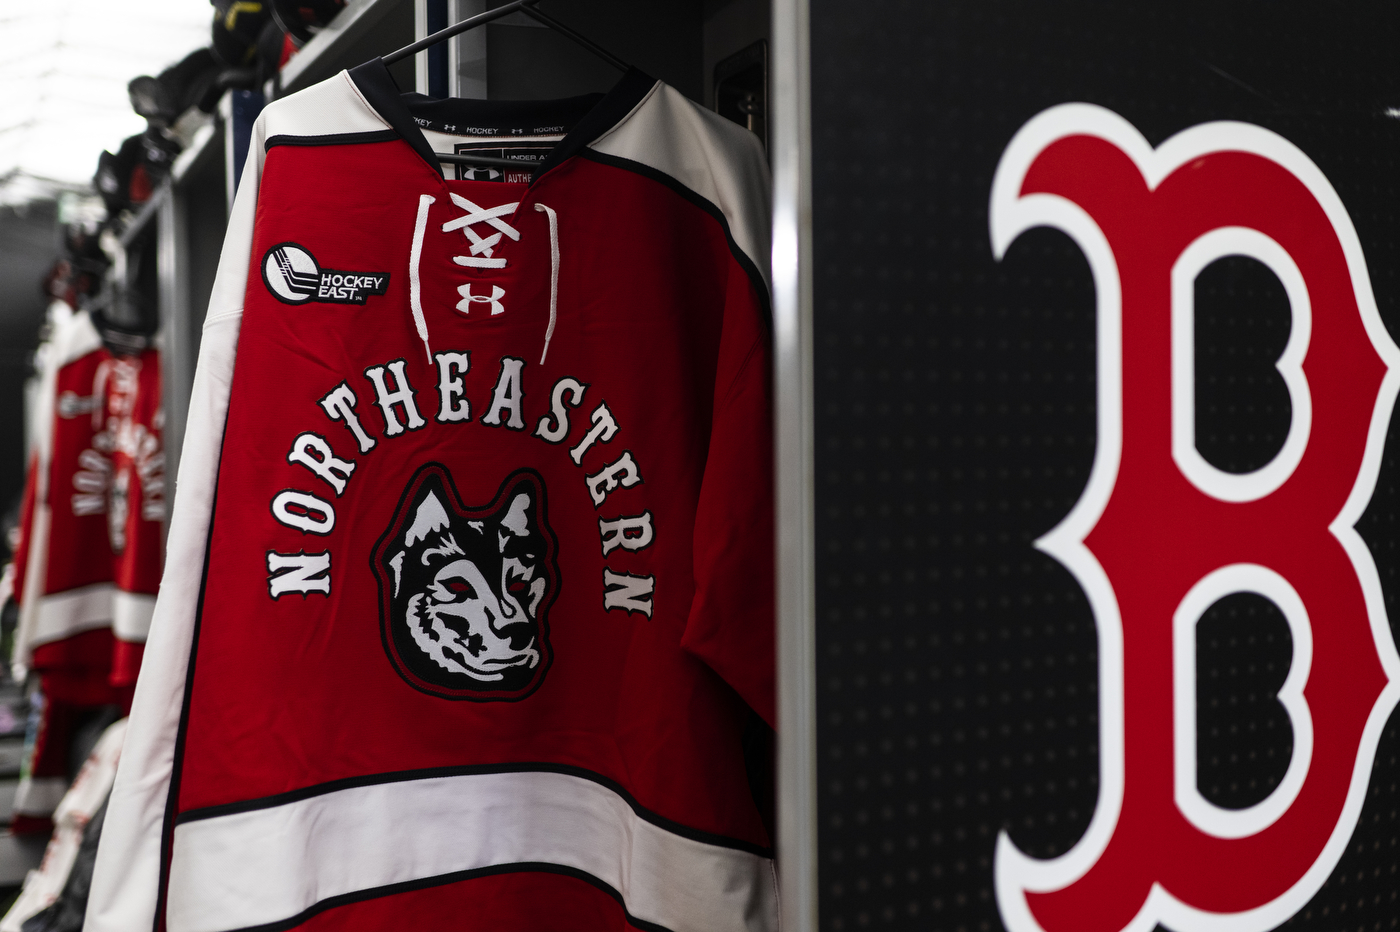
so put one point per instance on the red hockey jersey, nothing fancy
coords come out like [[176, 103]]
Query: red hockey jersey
[[89, 558], [470, 576], [90, 545]]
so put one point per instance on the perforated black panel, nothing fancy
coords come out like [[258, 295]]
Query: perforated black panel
[[955, 413], [1241, 327], [1243, 737]]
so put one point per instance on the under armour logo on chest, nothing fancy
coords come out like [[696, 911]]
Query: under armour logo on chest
[[465, 305], [481, 256]]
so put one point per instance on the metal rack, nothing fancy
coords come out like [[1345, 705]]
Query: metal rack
[[188, 214]]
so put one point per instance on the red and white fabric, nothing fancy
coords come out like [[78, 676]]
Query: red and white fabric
[[89, 559], [469, 591]]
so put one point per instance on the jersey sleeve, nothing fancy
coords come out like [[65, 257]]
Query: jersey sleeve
[[126, 876], [731, 622]]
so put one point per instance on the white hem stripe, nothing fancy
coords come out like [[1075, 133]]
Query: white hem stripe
[[270, 865], [65, 614], [131, 615]]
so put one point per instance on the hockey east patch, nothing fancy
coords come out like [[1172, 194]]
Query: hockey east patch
[[465, 591], [293, 276]]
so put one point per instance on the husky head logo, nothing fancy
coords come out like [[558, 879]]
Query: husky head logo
[[464, 592]]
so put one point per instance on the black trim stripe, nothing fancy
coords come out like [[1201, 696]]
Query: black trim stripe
[[746, 263], [378, 87], [331, 139], [430, 773], [611, 110], [473, 118], [408, 886]]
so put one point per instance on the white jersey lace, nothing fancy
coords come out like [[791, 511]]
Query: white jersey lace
[[482, 247]]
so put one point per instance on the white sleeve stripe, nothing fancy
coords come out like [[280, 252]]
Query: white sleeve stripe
[[405, 776], [131, 615], [275, 865], [64, 614]]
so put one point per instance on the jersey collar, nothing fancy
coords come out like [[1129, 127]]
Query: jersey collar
[[379, 90]]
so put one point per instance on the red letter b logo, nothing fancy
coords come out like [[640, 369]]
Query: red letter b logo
[[1160, 534]]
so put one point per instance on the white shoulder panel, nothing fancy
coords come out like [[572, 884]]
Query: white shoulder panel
[[331, 107], [74, 339], [718, 160]]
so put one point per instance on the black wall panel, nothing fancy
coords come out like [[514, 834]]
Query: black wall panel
[[955, 424], [28, 249]]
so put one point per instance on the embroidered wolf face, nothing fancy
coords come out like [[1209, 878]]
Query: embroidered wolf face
[[464, 592]]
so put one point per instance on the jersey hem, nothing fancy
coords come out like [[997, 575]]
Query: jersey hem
[[442, 880], [428, 773]]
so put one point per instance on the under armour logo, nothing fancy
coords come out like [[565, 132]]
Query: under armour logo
[[465, 305]]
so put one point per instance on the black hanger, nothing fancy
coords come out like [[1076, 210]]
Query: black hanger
[[526, 7]]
